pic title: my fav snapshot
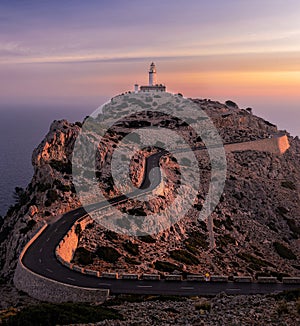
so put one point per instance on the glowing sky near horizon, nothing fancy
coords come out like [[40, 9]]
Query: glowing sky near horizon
[[81, 52]]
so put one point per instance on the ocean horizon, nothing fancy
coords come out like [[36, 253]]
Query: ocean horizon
[[22, 130]]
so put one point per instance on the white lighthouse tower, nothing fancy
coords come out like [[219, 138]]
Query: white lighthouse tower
[[152, 75], [153, 86]]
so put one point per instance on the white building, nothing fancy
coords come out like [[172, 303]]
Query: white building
[[153, 85]]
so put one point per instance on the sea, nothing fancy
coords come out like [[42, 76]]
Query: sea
[[21, 130]]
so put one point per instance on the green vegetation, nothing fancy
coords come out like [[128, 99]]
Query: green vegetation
[[78, 229], [165, 266], [122, 298], [60, 186], [282, 308], [47, 314], [228, 223], [288, 295], [51, 196], [79, 124], [184, 256], [278, 275], [111, 235], [21, 197], [205, 305], [217, 223], [42, 187], [289, 185], [203, 226], [281, 210], [283, 251], [293, 227], [5, 231], [131, 261], [147, 238], [28, 227], [63, 167], [174, 298], [225, 240], [197, 240], [137, 211], [231, 104], [83, 256], [108, 254], [271, 225], [255, 263], [132, 248]]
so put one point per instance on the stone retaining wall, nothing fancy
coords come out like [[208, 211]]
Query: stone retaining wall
[[67, 246], [275, 145], [64, 252]]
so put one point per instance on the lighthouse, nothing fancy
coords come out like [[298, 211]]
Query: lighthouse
[[152, 75], [153, 85]]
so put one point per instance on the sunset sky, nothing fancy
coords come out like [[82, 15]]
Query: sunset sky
[[80, 53]]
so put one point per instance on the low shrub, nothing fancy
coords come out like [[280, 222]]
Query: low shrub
[[42, 187], [108, 254], [83, 256], [231, 104], [289, 185], [60, 186], [51, 196], [256, 263], [293, 227], [283, 251], [28, 227], [48, 314], [204, 305], [111, 235], [165, 266], [132, 261], [5, 231], [197, 240], [225, 240], [282, 308], [147, 238], [132, 248], [60, 166], [288, 295], [184, 256]]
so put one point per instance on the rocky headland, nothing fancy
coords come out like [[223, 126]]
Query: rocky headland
[[256, 224]]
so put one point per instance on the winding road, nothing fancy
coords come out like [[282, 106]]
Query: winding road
[[40, 258]]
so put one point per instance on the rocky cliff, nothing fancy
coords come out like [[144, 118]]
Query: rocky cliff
[[49, 194], [256, 223]]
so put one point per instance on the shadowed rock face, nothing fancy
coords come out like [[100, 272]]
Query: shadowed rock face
[[256, 223]]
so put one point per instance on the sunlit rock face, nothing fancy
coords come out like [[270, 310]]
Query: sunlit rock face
[[49, 194], [256, 223]]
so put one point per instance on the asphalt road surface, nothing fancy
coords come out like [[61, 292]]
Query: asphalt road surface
[[40, 258]]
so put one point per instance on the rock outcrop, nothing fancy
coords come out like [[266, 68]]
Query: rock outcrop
[[49, 194], [256, 223]]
